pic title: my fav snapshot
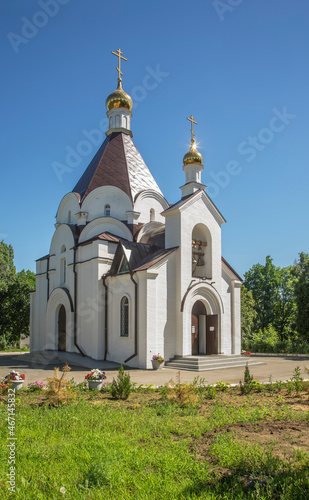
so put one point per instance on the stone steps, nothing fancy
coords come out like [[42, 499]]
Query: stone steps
[[213, 362]]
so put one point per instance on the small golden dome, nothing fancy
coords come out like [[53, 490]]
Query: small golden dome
[[119, 99], [193, 156]]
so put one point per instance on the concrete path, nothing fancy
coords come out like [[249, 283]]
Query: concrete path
[[277, 367]]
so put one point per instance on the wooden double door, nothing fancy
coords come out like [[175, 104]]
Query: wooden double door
[[204, 330]]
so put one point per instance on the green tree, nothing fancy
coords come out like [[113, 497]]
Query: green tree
[[263, 282], [272, 289], [301, 273], [14, 297], [248, 314], [285, 307]]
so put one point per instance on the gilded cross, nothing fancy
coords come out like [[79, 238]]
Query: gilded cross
[[118, 54], [191, 119]]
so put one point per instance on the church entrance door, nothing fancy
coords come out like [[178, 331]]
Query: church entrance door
[[62, 329], [198, 328], [212, 334]]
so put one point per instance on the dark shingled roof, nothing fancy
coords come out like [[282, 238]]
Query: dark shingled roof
[[107, 168]]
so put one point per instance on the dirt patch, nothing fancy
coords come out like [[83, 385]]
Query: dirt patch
[[285, 437]]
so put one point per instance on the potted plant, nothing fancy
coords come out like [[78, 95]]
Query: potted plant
[[157, 361], [14, 379], [95, 379]]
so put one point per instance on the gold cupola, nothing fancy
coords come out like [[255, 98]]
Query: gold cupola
[[193, 167], [119, 98], [193, 155]]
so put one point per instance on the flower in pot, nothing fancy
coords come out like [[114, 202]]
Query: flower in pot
[[95, 379], [14, 379], [157, 361]]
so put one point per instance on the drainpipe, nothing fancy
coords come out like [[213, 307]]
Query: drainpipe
[[104, 277], [135, 325], [75, 304], [47, 277]]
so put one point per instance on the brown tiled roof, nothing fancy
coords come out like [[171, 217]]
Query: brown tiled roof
[[104, 237], [153, 258], [107, 168]]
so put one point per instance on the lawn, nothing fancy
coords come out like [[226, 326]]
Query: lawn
[[224, 445]]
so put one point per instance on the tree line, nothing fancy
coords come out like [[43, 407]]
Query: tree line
[[14, 298], [275, 307]]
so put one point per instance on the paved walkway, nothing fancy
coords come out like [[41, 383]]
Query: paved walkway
[[277, 367]]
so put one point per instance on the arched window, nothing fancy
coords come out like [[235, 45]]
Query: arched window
[[63, 249], [117, 120], [152, 214], [124, 317], [107, 210]]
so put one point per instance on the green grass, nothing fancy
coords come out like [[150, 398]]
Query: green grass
[[148, 448]]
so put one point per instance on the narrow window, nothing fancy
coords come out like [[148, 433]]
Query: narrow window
[[69, 217], [124, 317], [152, 214], [107, 210], [63, 270]]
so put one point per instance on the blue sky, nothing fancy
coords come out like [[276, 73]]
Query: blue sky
[[239, 66]]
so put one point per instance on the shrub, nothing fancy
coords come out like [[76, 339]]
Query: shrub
[[122, 387], [247, 386]]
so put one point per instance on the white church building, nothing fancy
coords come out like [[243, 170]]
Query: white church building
[[129, 275]]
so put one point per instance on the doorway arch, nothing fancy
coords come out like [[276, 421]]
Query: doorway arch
[[62, 328], [204, 330]]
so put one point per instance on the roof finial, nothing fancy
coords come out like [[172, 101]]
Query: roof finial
[[118, 54], [191, 119]]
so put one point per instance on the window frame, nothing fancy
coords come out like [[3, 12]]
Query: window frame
[[124, 317]]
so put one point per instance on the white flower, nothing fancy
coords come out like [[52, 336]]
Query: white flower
[[63, 490]]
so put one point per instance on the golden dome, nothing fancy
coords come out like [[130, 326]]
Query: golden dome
[[192, 156], [119, 99]]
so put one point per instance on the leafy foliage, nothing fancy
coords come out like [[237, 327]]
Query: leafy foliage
[[301, 273], [14, 298], [248, 314]]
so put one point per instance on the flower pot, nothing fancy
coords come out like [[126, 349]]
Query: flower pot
[[156, 365], [95, 384], [16, 384]]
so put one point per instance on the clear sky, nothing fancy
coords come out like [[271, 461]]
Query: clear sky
[[239, 66]]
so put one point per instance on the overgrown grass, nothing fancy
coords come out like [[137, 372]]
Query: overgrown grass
[[148, 447]]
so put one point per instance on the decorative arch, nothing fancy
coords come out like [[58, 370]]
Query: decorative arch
[[69, 205], [60, 300], [105, 224], [202, 330], [201, 252]]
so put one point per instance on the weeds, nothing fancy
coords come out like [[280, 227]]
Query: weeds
[[297, 380], [59, 390], [182, 394]]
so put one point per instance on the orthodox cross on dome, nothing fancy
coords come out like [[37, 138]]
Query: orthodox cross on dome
[[118, 54], [191, 119]]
